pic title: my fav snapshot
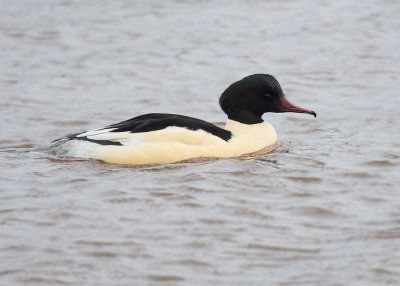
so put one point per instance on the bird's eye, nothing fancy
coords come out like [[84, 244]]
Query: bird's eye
[[268, 97]]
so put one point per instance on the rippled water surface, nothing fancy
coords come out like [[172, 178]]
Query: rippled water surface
[[322, 209]]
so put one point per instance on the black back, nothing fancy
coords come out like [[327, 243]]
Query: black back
[[158, 121]]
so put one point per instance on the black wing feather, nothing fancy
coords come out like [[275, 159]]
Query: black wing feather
[[158, 121]]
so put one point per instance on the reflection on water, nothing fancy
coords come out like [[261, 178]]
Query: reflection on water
[[320, 209]]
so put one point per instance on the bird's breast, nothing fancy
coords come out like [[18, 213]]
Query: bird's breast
[[249, 138]]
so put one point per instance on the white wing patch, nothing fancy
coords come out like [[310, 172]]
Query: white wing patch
[[167, 135], [125, 138], [95, 132], [112, 136]]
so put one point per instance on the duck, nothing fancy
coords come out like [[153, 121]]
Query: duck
[[162, 138]]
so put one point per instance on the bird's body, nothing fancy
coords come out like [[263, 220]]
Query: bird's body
[[168, 145], [167, 138]]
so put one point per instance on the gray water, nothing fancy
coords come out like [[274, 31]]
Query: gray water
[[322, 209]]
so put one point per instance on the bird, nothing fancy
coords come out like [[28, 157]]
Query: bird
[[162, 138]]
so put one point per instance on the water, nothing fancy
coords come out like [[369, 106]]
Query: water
[[322, 209]]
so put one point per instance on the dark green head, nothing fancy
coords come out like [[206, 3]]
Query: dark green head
[[248, 99]]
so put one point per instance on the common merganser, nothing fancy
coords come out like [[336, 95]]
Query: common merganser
[[160, 138]]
